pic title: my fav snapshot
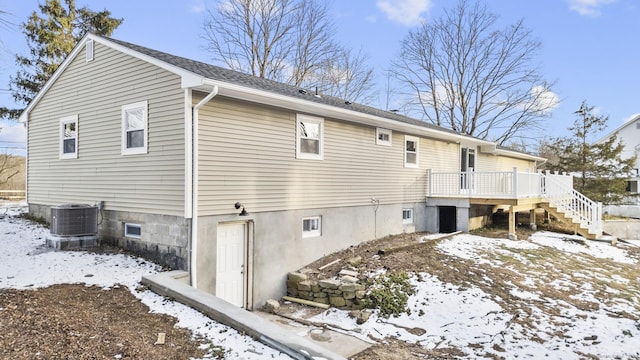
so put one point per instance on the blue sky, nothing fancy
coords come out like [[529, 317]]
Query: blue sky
[[589, 47]]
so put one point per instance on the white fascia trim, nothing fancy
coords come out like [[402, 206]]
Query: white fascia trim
[[517, 155], [189, 79], [631, 120], [310, 107]]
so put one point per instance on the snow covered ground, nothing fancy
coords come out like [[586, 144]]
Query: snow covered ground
[[586, 305], [552, 311], [26, 263]]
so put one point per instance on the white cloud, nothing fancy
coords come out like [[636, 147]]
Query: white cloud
[[13, 137], [545, 99], [198, 6], [405, 12], [588, 7]]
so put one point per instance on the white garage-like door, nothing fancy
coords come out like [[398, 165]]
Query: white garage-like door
[[230, 263]]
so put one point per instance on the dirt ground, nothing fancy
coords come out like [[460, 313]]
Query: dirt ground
[[79, 322]]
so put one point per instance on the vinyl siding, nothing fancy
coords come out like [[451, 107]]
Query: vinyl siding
[[96, 91], [488, 162], [247, 153]]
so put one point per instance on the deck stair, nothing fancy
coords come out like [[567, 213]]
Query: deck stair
[[578, 227], [522, 191], [570, 206]]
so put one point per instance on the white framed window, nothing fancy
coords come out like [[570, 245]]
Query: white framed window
[[69, 137], [311, 226], [88, 47], [133, 230], [309, 137], [383, 136], [407, 216], [134, 128], [411, 149]]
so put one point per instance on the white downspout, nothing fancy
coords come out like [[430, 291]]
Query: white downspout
[[194, 189]]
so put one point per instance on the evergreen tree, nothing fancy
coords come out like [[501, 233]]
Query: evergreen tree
[[600, 171], [51, 35]]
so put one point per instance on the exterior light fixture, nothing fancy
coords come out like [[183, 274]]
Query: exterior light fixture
[[243, 212]]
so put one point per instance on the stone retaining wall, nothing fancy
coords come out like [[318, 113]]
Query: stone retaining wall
[[343, 292]]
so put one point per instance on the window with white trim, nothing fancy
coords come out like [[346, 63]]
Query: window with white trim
[[311, 226], [133, 230], [407, 216], [383, 136], [69, 137], [134, 128], [309, 137], [411, 148]]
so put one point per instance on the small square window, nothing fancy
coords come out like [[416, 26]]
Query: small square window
[[133, 230], [69, 137], [407, 216], [311, 226], [134, 128], [411, 149], [383, 136], [309, 137]]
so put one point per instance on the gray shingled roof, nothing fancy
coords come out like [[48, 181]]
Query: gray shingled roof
[[221, 74]]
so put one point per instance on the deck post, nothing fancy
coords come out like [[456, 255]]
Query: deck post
[[512, 223], [532, 220], [429, 184]]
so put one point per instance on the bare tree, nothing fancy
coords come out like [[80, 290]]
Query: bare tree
[[466, 74], [312, 42], [8, 168], [286, 40], [347, 77]]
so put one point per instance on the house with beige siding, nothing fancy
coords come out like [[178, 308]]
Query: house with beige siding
[[239, 180]]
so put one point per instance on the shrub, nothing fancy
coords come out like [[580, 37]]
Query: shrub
[[390, 293]]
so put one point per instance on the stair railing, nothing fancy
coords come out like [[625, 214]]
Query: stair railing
[[560, 193]]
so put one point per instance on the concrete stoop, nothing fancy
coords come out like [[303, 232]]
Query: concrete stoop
[[172, 284]]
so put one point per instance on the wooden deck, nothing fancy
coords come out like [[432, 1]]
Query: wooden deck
[[522, 191]]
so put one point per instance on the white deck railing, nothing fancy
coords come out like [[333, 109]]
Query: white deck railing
[[494, 184], [572, 203], [556, 188]]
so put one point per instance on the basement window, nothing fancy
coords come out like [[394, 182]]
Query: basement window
[[311, 226], [133, 230], [407, 216]]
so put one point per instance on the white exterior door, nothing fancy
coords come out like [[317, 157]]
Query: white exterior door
[[230, 263]]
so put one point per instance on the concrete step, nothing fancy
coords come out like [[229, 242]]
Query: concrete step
[[172, 285]]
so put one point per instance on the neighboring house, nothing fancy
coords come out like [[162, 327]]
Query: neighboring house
[[629, 136], [171, 145]]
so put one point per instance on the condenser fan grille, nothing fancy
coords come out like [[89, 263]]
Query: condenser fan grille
[[74, 220]]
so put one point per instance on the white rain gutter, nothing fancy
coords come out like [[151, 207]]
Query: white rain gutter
[[194, 189]]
